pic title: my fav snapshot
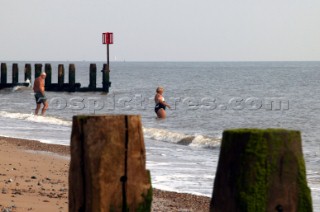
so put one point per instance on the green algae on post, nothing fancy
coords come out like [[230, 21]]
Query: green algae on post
[[261, 170]]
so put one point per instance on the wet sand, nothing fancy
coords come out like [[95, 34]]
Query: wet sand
[[34, 177]]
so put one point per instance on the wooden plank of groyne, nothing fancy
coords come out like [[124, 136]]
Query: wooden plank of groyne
[[93, 76], [15, 73], [72, 74], [60, 75], [107, 168], [3, 73], [27, 72], [48, 70]]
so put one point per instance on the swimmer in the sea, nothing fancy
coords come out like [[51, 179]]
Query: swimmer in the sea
[[160, 103]]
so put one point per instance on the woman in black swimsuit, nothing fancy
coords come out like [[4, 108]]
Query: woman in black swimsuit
[[160, 104]]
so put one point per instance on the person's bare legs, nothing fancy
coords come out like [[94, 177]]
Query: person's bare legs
[[45, 107], [37, 109], [161, 113]]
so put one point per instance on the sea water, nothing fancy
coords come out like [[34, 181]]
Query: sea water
[[205, 97]]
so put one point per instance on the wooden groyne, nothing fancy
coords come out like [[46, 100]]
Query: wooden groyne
[[15, 77], [71, 86]]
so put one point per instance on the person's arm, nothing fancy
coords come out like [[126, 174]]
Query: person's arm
[[42, 87], [163, 102]]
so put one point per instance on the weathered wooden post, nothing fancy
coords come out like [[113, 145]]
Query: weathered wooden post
[[48, 70], [37, 70], [261, 170], [27, 72], [93, 76], [105, 77], [60, 75], [15, 73], [107, 168], [3, 73], [72, 77]]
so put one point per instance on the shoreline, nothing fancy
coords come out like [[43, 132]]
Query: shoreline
[[31, 180]]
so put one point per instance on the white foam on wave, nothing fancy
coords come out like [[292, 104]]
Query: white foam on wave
[[18, 87], [164, 135], [33, 118], [201, 140], [181, 138], [165, 183]]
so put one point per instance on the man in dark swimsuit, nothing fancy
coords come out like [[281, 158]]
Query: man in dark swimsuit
[[38, 88]]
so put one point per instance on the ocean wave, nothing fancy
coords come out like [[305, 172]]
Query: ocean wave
[[33, 118], [181, 138], [153, 133], [21, 87]]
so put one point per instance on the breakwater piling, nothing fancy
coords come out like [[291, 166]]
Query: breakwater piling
[[108, 165], [261, 170], [27, 72]]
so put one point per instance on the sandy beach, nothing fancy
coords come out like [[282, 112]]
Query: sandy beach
[[34, 177]]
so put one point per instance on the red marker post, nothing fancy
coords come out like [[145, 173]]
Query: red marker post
[[107, 38]]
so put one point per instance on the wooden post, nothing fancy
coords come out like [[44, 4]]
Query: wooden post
[[37, 70], [48, 70], [60, 75], [15, 73], [93, 76], [3, 73], [27, 72], [105, 77], [261, 170], [72, 77], [107, 167], [106, 68]]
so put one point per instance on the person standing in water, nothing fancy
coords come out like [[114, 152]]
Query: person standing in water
[[38, 88], [160, 103]]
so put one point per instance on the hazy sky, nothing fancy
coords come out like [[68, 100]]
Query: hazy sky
[[166, 30]]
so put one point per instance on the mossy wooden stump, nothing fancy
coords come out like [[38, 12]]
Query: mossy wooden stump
[[261, 170], [107, 168]]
